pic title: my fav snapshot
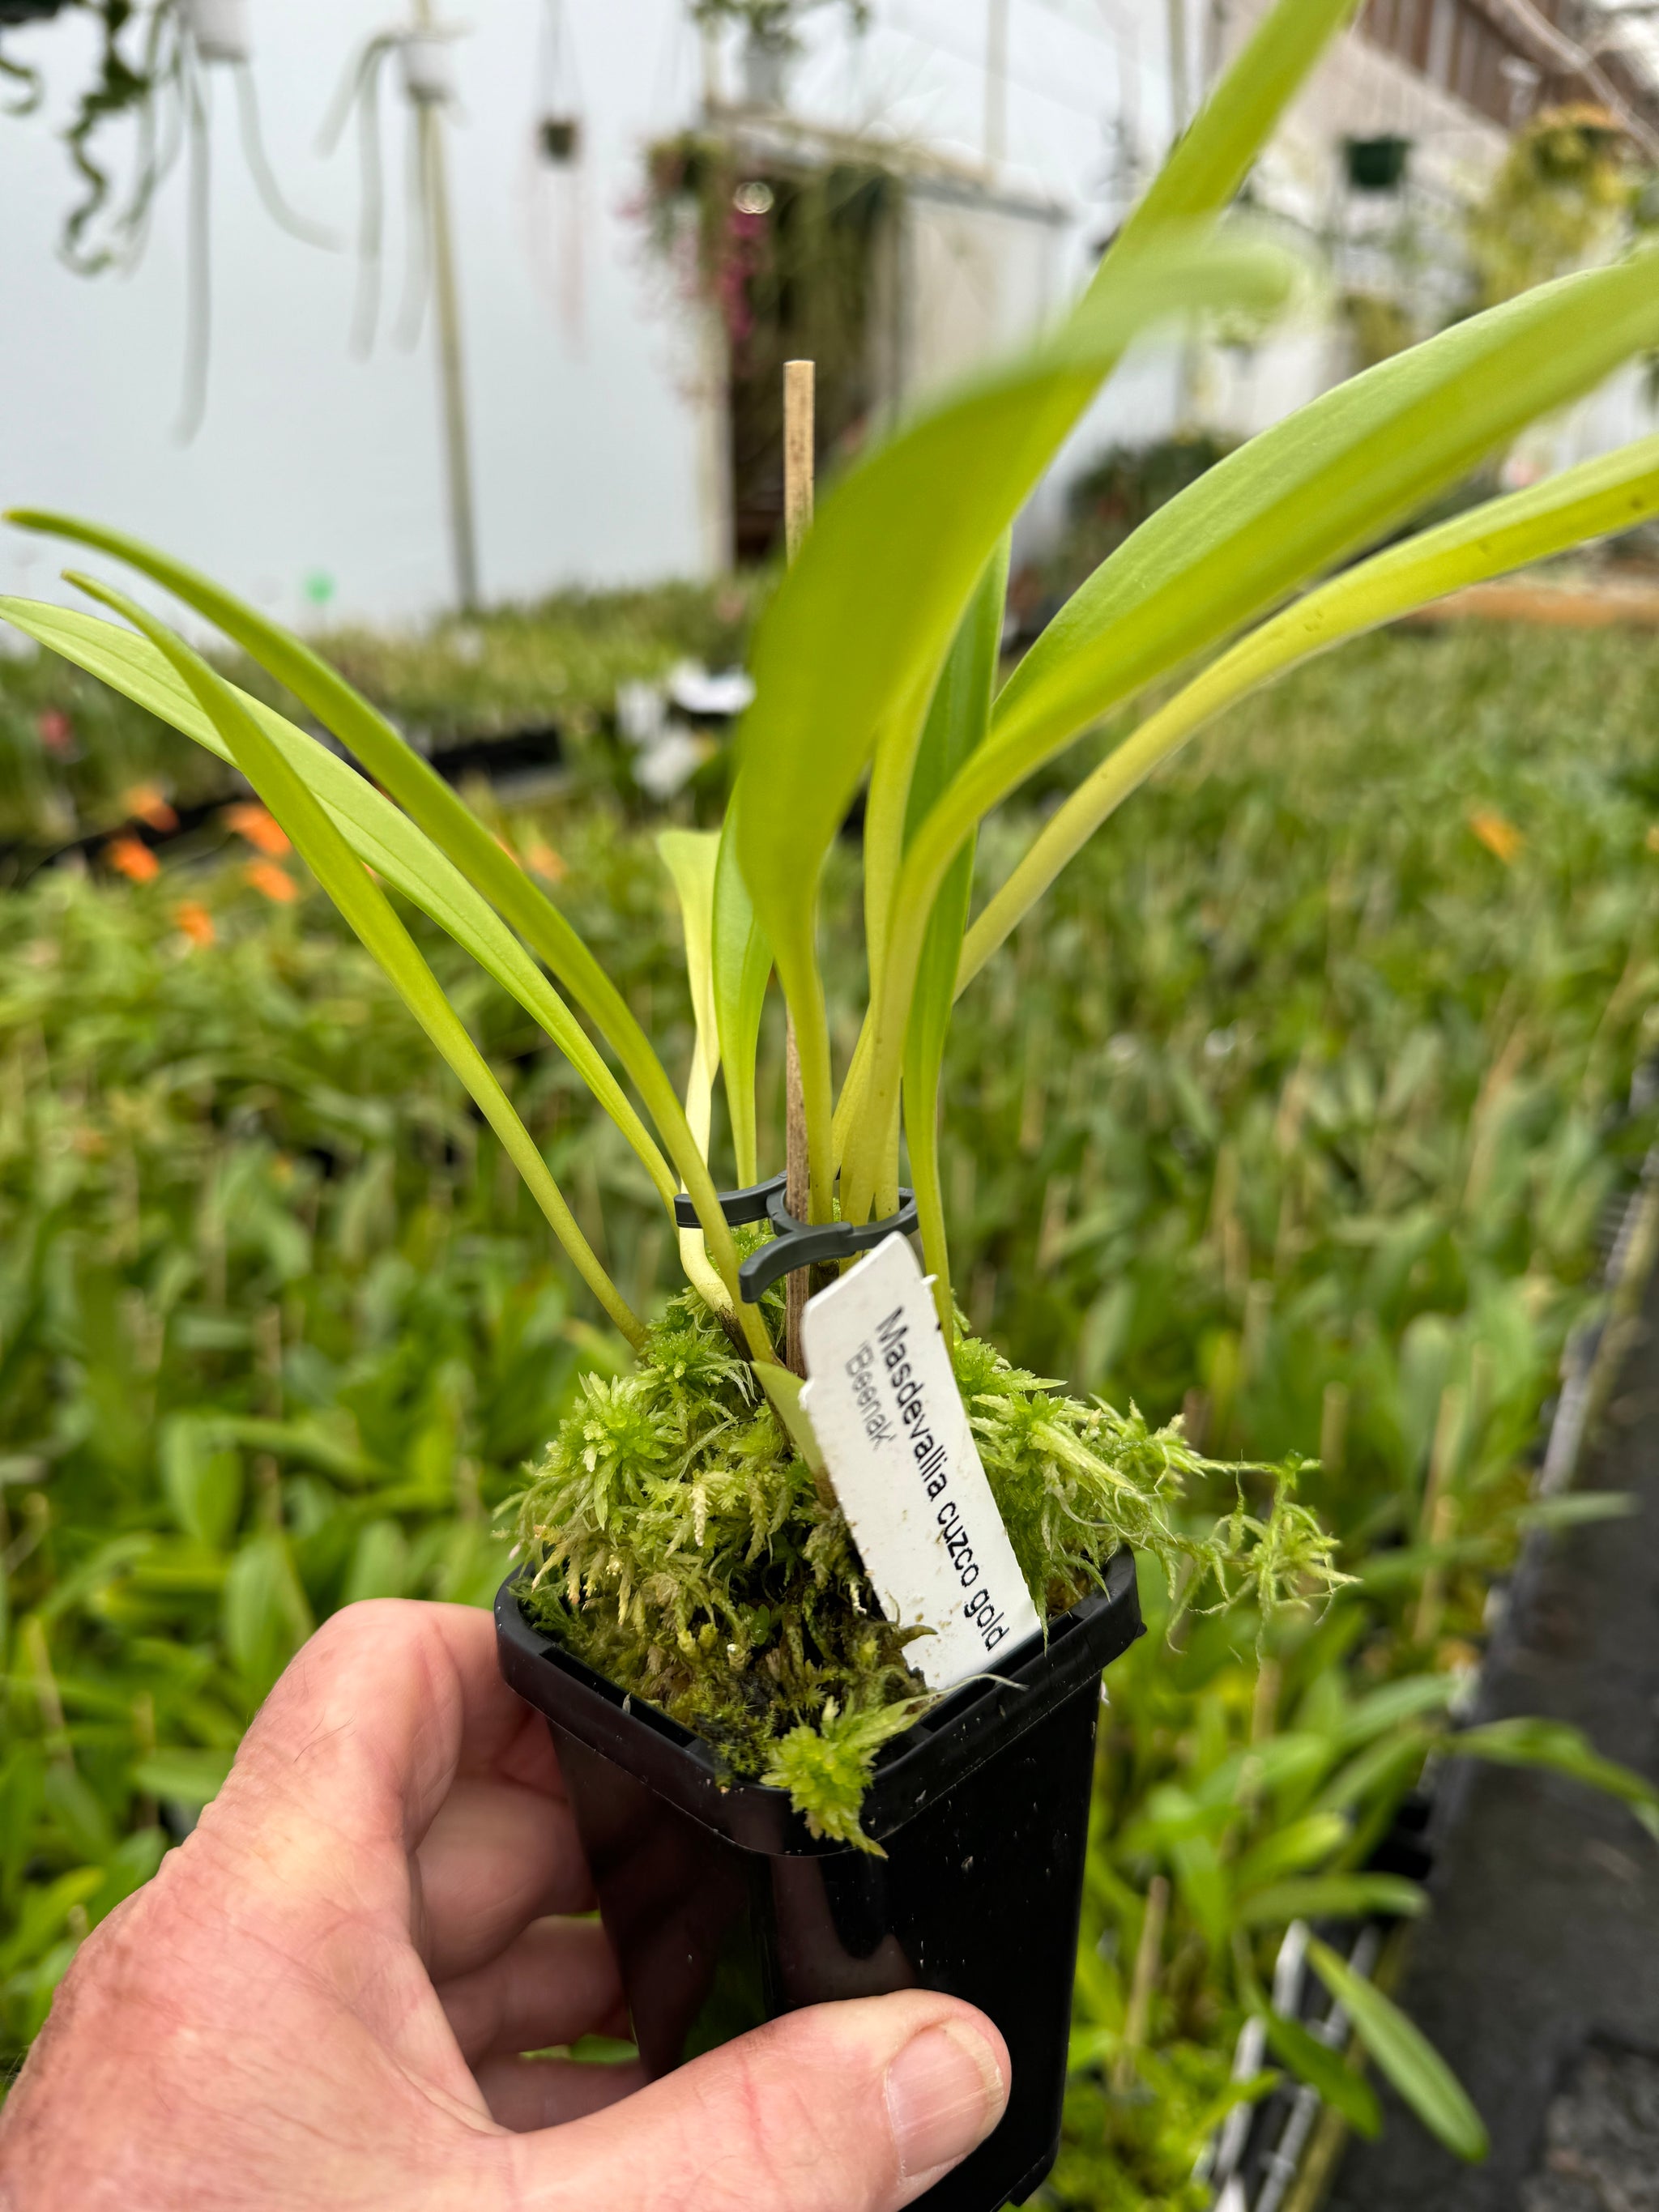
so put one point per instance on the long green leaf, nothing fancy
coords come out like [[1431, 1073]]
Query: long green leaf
[[1612, 492], [1325, 2070], [1405, 2055], [457, 831], [690, 857], [1331, 1897], [1290, 1849], [366, 908], [853, 640], [1378, 1774], [1299, 496], [1529, 1741], [743, 969], [369, 823], [1381, 1711], [1215, 153], [957, 722]]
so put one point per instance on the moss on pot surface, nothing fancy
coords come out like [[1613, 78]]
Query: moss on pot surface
[[681, 1549]]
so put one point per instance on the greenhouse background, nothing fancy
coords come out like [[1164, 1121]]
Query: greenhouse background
[[594, 397]]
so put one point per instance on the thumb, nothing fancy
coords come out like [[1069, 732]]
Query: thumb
[[851, 2107]]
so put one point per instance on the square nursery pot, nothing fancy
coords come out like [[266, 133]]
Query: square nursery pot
[[725, 1911]]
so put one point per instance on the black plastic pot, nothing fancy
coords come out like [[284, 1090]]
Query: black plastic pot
[[725, 1911]]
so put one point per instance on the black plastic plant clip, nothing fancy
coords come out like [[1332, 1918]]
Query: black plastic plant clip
[[810, 1244], [795, 1243], [737, 1206]]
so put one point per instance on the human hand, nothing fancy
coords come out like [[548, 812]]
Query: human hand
[[321, 1999]]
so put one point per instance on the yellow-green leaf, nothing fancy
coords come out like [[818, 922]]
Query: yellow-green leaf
[[1325, 2070], [1405, 2055]]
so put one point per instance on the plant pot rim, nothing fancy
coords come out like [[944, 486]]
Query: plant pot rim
[[949, 1741]]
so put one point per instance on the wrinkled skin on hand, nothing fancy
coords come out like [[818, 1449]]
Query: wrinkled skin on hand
[[322, 1998]]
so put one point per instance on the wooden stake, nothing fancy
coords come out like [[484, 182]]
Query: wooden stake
[[799, 392], [800, 380]]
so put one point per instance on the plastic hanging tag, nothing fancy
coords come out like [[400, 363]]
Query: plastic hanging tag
[[890, 1420]]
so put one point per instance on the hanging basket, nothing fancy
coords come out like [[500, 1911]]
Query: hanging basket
[[429, 66], [559, 140], [30, 11], [221, 29], [1377, 165]]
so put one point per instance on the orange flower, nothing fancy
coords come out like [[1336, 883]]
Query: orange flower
[[261, 829], [135, 860], [193, 918], [275, 882], [145, 803], [1498, 836], [542, 857]]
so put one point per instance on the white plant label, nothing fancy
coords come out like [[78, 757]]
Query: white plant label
[[894, 1432]]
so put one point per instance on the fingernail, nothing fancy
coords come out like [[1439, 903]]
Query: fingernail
[[945, 2091]]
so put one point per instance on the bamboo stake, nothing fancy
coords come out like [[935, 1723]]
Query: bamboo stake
[[799, 393], [800, 380]]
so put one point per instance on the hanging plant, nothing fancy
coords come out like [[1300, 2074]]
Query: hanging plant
[[121, 88], [774, 24], [154, 69], [557, 192], [1564, 195], [424, 58], [151, 67]]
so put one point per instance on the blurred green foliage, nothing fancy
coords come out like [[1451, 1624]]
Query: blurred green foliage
[[1299, 1114], [72, 754], [559, 659]]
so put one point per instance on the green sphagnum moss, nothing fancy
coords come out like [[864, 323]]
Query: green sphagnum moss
[[681, 1550]]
